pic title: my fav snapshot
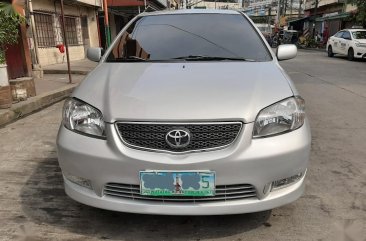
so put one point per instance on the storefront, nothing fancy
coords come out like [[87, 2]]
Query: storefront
[[298, 24], [333, 22]]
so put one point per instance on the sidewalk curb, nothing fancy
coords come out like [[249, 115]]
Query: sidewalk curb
[[62, 71], [35, 103], [313, 49]]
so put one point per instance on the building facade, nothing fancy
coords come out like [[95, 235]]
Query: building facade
[[330, 15], [81, 29], [286, 7], [235, 5]]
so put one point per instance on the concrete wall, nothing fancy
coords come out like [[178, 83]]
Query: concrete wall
[[51, 55], [97, 3], [351, 7], [309, 4]]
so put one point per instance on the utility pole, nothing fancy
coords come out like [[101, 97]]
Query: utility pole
[[65, 41], [316, 8], [106, 25], [300, 8], [34, 33], [278, 14], [285, 7], [291, 2], [269, 15], [315, 13]]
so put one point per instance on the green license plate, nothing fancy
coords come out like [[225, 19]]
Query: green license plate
[[171, 183]]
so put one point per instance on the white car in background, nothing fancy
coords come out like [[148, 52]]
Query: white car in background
[[348, 42]]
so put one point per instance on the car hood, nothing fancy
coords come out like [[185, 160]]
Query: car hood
[[362, 41], [184, 91]]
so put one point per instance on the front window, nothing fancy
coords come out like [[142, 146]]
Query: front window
[[339, 34], [190, 37], [359, 34], [346, 35]]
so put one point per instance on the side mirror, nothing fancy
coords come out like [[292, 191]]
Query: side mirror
[[286, 51], [94, 54]]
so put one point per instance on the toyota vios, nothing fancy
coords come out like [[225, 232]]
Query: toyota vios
[[348, 42], [187, 113]]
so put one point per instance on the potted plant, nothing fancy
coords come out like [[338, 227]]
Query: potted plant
[[9, 27]]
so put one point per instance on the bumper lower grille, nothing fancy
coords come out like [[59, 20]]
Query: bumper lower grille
[[223, 193], [203, 136]]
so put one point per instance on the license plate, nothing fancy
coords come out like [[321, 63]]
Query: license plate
[[171, 183]]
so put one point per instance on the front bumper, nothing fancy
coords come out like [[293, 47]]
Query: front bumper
[[360, 52], [252, 161]]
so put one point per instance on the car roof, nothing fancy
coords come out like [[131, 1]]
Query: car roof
[[353, 29], [189, 11]]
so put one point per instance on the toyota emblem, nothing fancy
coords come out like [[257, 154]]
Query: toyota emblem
[[178, 138]]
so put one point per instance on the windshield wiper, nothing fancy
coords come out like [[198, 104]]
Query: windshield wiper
[[212, 58], [129, 59]]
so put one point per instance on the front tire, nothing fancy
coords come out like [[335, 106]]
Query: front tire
[[351, 54], [330, 51]]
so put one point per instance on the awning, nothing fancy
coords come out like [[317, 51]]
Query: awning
[[297, 20], [338, 16]]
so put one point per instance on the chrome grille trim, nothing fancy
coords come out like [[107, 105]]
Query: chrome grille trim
[[158, 137], [223, 193]]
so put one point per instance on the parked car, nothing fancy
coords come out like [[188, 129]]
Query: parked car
[[187, 113], [348, 42]]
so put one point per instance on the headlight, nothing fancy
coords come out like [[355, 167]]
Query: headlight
[[83, 118], [284, 116]]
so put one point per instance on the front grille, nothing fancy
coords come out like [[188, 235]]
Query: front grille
[[223, 193], [204, 136]]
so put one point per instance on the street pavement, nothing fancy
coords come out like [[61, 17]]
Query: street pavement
[[33, 205]]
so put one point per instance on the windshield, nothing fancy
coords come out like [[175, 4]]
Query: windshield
[[359, 34], [209, 37]]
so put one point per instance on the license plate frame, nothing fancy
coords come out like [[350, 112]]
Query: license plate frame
[[200, 183]]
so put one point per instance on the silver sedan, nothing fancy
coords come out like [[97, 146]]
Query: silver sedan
[[187, 113]]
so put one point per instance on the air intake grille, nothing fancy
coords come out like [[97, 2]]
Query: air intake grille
[[223, 193], [151, 136]]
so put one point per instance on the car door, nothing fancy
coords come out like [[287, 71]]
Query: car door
[[345, 41], [335, 41]]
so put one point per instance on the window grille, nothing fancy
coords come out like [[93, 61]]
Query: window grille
[[71, 31], [49, 29], [44, 29]]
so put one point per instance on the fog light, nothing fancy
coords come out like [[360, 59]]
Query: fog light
[[78, 180], [286, 181]]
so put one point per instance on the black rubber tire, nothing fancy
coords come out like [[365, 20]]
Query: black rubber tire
[[351, 54], [330, 51]]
